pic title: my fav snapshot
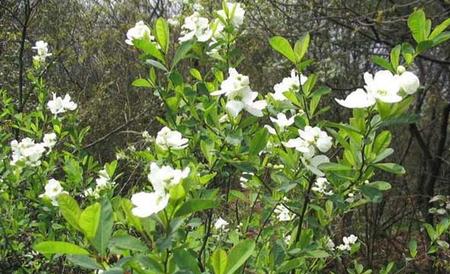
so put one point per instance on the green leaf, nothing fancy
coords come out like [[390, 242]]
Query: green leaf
[[185, 261], [70, 210], [408, 53], [141, 83], [383, 155], [335, 167], [149, 48], [259, 141], [391, 168], [162, 34], [194, 205], [181, 52], [128, 242], [196, 74], [84, 261], [301, 46], [282, 46], [218, 261], [412, 246], [418, 26], [380, 185], [395, 56], [317, 254], [156, 64], [441, 38], [58, 247], [104, 230], [380, 61], [439, 29], [89, 220], [382, 141], [239, 254]]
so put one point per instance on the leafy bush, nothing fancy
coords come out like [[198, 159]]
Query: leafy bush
[[236, 180]]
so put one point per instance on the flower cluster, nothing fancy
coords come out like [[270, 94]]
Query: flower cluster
[[29, 152], [347, 243], [283, 213], [195, 26], [60, 105], [52, 190], [138, 32], [239, 94], [310, 141], [291, 83], [41, 48], [162, 179], [383, 86], [221, 224], [321, 185], [170, 139], [102, 182]]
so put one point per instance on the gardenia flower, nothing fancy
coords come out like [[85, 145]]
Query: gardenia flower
[[384, 86], [288, 84], [281, 121], [357, 99], [147, 204], [52, 190], [195, 26], [330, 244], [235, 14], [348, 242], [271, 130], [408, 81], [167, 138], [320, 185], [139, 31], [60, 105], [49, 140], [42, 51], [239, 94], [27, 151], [310, 139], [165, 177], [283, 213], [221, 224]]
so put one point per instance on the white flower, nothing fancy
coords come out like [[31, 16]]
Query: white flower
[[408, 82], [139, 31], [146, 136], [49, 140], [235, 14], [330, 244], [60, 105], [165, 177], [147, 203], [167, 138], [310, 139], [27, 151], [270, 129], [103, 181], [347, 243], [357, 99], [221, 224], [52, 190], [350, 198], [173, 21], [239, 94], [195, 26], [287, 239], [244, 179], [320, 185], [283, 213], [42, 51], [282, 121], [314, 163], [383, 86], [288, 84]]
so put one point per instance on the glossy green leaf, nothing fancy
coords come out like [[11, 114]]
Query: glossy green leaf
[[58, 247], [89, 220], [238, 255], [194, 205], [282, 46], [162, 34], [218, 261]]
